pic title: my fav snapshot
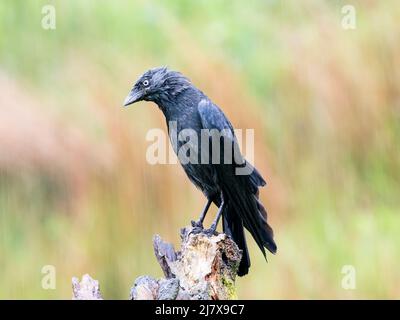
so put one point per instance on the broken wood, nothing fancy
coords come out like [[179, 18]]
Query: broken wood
[[204, 268], [87, 289]]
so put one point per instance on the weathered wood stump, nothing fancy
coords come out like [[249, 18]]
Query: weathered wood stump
[[87, 289], [204, 268]]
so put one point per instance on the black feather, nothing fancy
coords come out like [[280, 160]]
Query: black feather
[[189, 108]]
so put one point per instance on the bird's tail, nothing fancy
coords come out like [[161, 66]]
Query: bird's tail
[[244, 209], [233, 226], [266, 231]]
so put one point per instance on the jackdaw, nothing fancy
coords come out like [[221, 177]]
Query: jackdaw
[[234, 192]]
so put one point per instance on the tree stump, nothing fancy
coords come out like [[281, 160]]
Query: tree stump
[[204, 268], [87, 289]]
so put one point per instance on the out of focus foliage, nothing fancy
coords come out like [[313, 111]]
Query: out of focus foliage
[[76, 191]]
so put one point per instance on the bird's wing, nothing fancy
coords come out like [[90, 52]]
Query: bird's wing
[[212, 117], [241, 190]]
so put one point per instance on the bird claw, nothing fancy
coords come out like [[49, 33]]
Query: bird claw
[[210, 232], [197, 227], [197, 224]]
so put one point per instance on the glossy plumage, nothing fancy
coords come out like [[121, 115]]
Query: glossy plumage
[[186, 107]]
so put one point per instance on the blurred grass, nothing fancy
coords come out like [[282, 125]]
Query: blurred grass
[[75, 188]]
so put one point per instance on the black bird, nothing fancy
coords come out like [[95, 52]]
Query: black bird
[[236, 195]]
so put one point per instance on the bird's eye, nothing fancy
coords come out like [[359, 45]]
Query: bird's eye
[[146, 83]]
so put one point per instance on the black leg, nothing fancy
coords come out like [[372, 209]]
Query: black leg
[[218, 217], [199, 223]]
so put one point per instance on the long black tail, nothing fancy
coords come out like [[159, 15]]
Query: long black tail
[[244, 209], [233, 226]]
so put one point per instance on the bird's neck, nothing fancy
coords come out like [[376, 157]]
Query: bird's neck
[[172, 103], [164, 102]]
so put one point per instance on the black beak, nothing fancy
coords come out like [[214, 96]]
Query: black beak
[[132, 97]]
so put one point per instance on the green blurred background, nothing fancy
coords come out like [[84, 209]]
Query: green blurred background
[[76, 191]]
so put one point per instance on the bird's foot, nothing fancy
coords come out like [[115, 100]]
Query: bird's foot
[[197, 227], [197, 224], [212, 231]]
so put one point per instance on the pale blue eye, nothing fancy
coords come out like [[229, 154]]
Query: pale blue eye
[[146, 83]]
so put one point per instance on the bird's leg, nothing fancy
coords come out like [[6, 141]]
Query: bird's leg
[[199, 223], [218, 217]]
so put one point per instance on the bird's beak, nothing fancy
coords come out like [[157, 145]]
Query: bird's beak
[[132, 97]]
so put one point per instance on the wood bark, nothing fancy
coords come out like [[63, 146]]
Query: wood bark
[[204, 268]]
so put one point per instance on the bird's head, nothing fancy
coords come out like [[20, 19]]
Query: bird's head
[[156, 85]]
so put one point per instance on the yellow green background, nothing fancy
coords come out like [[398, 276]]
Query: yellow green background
[[76, 191]]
